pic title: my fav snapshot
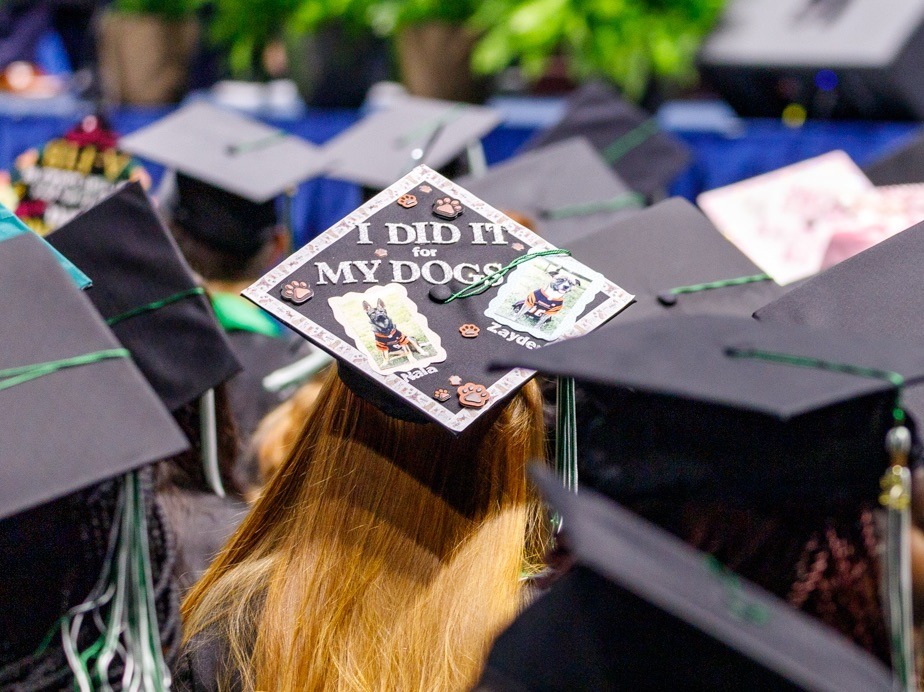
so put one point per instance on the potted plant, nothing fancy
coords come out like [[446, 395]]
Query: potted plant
[[630, 42], [145, 48], [433, 42], [432, 39]]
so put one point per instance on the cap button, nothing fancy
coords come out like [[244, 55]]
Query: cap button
[[442, 292], [667, 299]]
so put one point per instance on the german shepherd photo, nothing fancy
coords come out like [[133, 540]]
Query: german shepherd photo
[[388, 338], [388, 329]]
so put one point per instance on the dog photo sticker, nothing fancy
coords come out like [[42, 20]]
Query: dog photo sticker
[[545, 297], [388, 329]]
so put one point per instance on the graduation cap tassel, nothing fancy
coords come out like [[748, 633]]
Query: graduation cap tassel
[[896, 498], [477, 161], [208, 436], [565, 439], [129, 630], [288, 219]]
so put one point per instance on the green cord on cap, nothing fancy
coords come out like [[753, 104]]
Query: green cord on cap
[[890, 376], [15, 376], [669, 297], [738, 604], [256, 144], [631, 140], [155, 305], [485, 282], [425, 130], [632, 200]]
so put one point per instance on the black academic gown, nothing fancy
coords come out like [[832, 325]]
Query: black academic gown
[[199, 667], [51, 557], [261, 346], [202, 523]]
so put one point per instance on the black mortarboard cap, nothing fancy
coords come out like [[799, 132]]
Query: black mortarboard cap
[[221, 219], [627, 137], [227, 150], [899, 167], [12, 227], [78, 411], [676, 262], [876, 293], [147, 293], [565, 189], [388, 143], [372, 292], [645, 611], [729, 408]]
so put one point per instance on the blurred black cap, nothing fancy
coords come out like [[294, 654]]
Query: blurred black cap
[[565, 189], [147, 293], [627, 138]]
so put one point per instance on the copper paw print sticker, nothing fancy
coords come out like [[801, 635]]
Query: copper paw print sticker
[[407, 201], [473, 395], [441, 395], [469, 331], [447, 208], [297, 292]]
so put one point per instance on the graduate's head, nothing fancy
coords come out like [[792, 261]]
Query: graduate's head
[[763, 444], [393, 539], [225, 237], [230, 170]]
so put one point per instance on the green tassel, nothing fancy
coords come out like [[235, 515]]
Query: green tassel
[[128, 631], [565, 439]]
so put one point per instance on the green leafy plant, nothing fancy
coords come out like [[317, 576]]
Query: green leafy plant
[[168, 9], [383, 17], [243, 28], [389, 16], [628, 41]]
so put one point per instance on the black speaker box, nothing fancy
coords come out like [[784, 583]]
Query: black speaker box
[[855, 59]]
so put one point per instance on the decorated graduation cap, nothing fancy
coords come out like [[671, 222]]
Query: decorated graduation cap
[[148, 295], [676, 263], [564, 189], [784, 220], [627, 137], [84, 415], [12, 227], [226, 150], [388, 143], [645, 611], [419, 288], [70, 173], [902, 166]]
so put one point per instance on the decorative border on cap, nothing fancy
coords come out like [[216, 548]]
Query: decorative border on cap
[[259, 293]]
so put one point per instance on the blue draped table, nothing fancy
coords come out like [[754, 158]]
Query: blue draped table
[[718, 159]]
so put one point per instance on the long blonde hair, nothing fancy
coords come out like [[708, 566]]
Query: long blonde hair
[[384, 555]]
